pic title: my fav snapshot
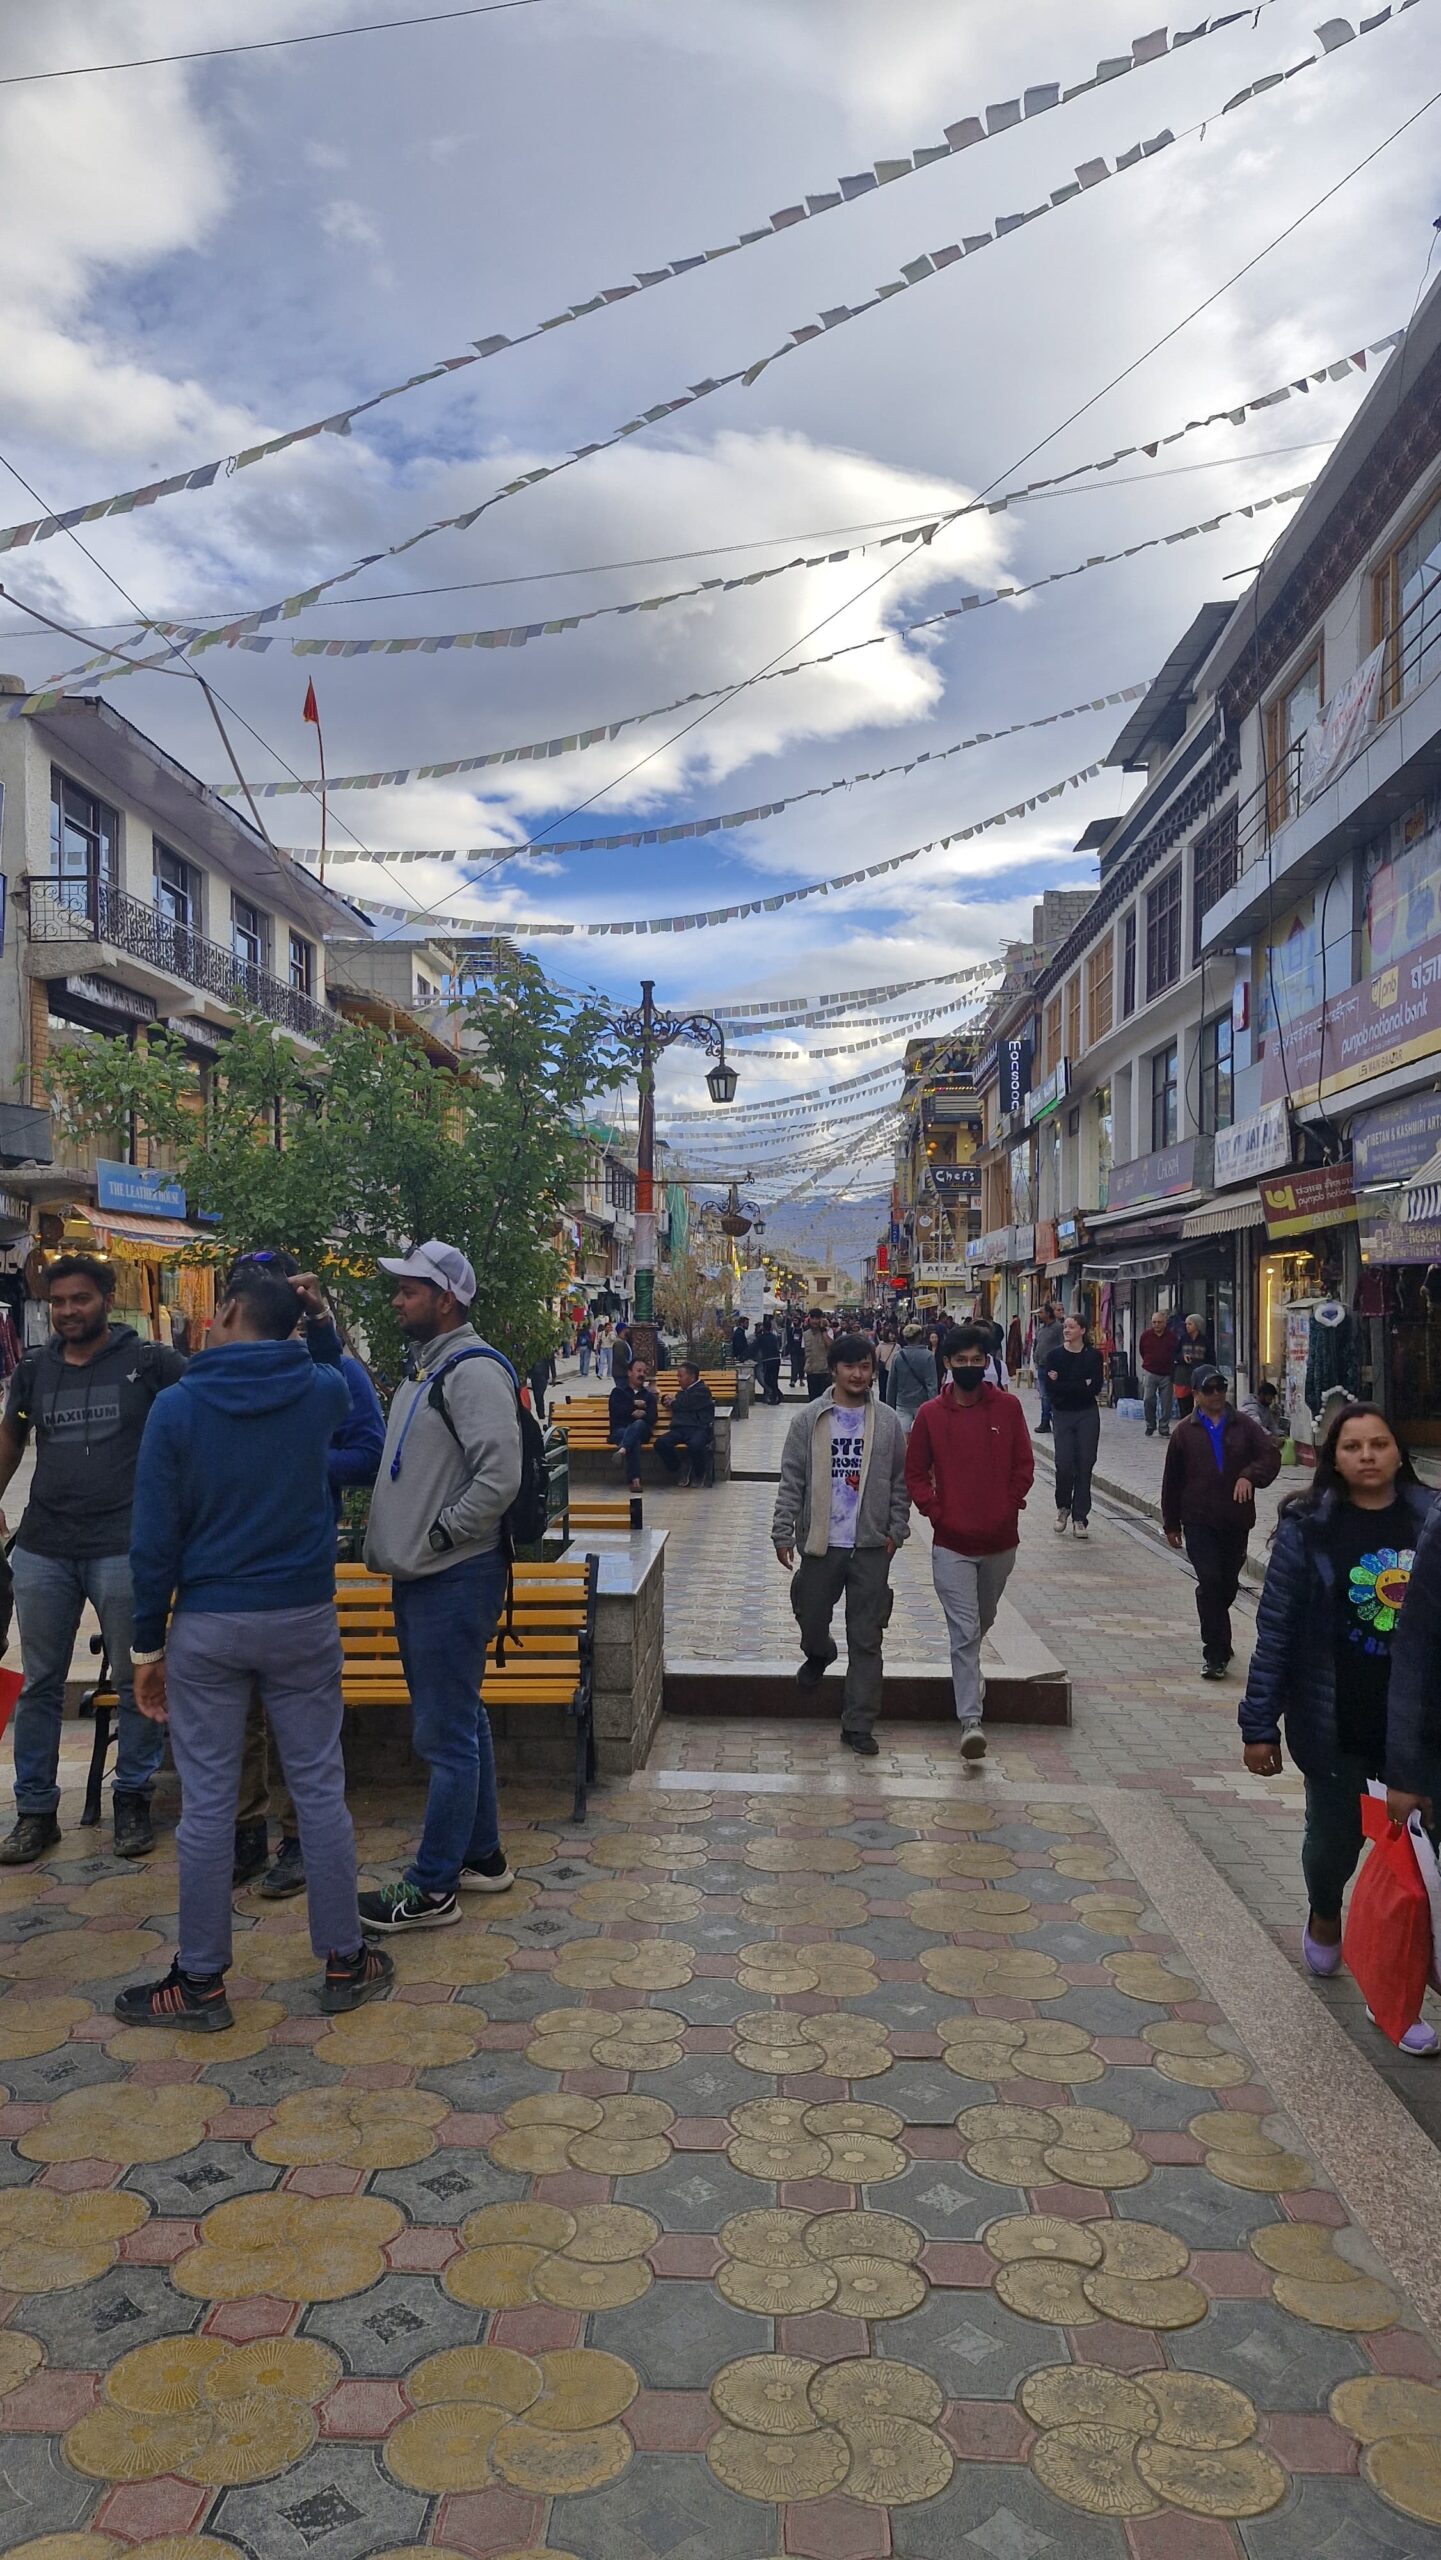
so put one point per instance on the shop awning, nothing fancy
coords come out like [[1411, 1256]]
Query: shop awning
[[1423, 1192], [1057, 1270], [1226, 1217], [163, 1235], [1176, 1206], [1127, 1266]]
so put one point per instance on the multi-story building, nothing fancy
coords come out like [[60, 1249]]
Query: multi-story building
[[1326, 909], [1001, 1255], [132, 897], [937, 1176]]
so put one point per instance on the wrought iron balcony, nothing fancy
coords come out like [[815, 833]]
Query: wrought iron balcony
[[88, 908]]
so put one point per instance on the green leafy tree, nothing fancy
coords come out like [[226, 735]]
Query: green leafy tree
[[351, 1152]]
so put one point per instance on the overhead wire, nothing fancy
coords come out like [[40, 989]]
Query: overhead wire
[[264, 44]]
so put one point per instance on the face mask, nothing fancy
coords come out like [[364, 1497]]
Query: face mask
[[966, 1381]]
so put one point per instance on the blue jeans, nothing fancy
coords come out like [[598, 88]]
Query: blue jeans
[[213, 1659], [444, 1623], [632, 1441], [50, 1596], [585, 1359]]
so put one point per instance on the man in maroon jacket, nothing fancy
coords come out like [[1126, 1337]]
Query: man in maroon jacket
[[1215, 1461], [969, 1468]]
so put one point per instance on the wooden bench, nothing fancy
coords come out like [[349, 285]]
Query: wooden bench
[[620, 1512], [548, 1657], [593, 1456], [721, 1382]]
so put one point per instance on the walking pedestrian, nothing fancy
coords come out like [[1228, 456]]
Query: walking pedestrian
[[234, 1530], [911, 1379], [842, 1503], [795, 1348], [450, 1472], [604, 1346], [740, 1342], [1215, 1462], [1158, 1360], [584, 1341], [632, 1418], [1047, 1343], [1413, 1709], [817, 1350], [352, 1459], [87, 1395], [969, 1468], [1328, 1653], [1192, 1354], [1075, 1375], [768, 1359]]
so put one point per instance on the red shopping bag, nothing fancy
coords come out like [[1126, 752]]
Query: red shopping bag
[[1387, 1940], [11, 1684]]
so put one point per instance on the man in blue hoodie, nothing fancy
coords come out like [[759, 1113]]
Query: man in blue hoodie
[[234, 1527], [353, 1458]]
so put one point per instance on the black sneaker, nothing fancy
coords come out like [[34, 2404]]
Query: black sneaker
[[1213, 1670], [252, 1848], [134, 1836], [865, 1744], [486, 1875], [350, 1980], [33, 1834], [287, 1875], [196, 2002], [404, 1906], [813, 1670]]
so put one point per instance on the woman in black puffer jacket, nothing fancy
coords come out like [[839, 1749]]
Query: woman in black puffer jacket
[[1335, 1586]]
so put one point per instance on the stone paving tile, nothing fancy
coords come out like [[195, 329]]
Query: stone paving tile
[[689, 2236]]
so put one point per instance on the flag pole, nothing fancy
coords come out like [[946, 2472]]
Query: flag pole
[[312, 715]]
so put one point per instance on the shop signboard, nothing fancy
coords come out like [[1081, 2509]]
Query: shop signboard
[[951, 1181], [1394, 1141], [1388, 1241], [940, 1275], [1159, 1176], [110, 997], [1014, 1064], [1323, 1196], [1251, 1147], [1069, 1238], [1384, 1022], [1020, 1245], [1049, 1094], [136, 1192], [993, 1247], [1045, 1235]]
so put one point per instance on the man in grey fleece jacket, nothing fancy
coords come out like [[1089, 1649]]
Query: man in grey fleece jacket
[[843, 1501], [449, 1473]]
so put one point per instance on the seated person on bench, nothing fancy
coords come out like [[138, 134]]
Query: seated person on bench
[[685, 1443], [632, 1417]]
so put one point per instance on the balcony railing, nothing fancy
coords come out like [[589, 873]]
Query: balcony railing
[[65, 910]]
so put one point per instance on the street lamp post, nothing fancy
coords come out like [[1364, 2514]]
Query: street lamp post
[[646, 1031]]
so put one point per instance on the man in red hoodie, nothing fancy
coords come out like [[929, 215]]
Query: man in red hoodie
[[969, 1468]]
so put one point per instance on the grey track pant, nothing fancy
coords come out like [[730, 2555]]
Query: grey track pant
[[969, 1590], [863, 1574], [293, 1657]]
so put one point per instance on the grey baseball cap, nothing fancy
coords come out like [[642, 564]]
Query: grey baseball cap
[[443, 1265]]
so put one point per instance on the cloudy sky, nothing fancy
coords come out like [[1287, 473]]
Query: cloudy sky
[[203, 254]]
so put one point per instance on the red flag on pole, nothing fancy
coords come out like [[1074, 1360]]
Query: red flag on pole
[[311, 714], [312, 707]]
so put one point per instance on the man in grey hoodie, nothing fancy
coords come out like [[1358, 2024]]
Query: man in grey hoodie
[[449, 1473], [843, 1501]]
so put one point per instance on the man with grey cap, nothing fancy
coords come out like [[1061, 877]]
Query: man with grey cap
[[450, 1470]]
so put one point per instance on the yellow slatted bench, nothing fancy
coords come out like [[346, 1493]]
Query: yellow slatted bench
[[548, 1653], [621, 1512]]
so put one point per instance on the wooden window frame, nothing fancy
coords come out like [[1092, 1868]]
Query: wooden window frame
[[1164, 921], [1073, 1048], [1386, 606], [1051, 1034], [1282, 802], [1130, 941], [1100, 990]]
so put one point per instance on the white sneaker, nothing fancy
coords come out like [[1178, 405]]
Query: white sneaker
[[1063, 1522], [1080, 1529], [478, 1880], [973, 1740]]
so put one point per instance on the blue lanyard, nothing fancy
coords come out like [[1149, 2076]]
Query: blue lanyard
[[424, 1384]]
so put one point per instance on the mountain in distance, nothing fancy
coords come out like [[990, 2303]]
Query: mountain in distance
[[840, 1233]]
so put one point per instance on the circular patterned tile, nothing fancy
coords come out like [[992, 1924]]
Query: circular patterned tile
[[1199, 2411], [1105, 2169], [50, 2241], [254, 2439], [1146, 2302], [1406, 2470], [352, 2128], [979, 1973], [813, 1906], [1264, 2170], [122, 2123], [875, 2288], [79, 1955], [865, 2235], [1092, 2129], [583, 2388], [767, 2394], [1086, 1865], [767, 2238], [607, 2233], [19, 2357], [1042, 2235], [444, 2447], [1243, 2482], [164, 2380], [776, 1855], [1085, 2395], [300, 2248], [1094, 2468], [425, 2038], [980, 1860], [499, 2279], [776, 2291], [854, 2115], [497, 2376], [525, 2226], [300, 2368], [1140, 2249], [874, 2387], [1360, 2305], [1386, 2405], [1009, 2164], [779, 2470], [894, 2462], [1305, 2249], [569, 2286], [552, 2464], [1045, 2289], [126, 2444], [29, 2027], [1146, 1978]]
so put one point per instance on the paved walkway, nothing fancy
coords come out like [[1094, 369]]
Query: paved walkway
[[874, 2168]]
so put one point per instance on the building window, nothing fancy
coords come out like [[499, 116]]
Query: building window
[[1051, 1034], [1105, 1143], [302, 965], [1165, 1097], [1098, 990], [1128, 966], [176, 889], [84, 834], [1213, 873], [247, 933], [1216, 1089], [1073, 1016], [1407, 591], [1163, 934], [1287, 720]]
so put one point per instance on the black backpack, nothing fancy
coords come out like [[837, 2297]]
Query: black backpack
[[524, 1523]]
